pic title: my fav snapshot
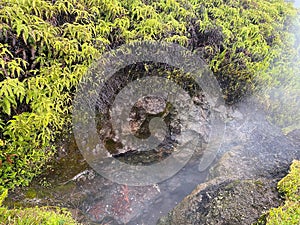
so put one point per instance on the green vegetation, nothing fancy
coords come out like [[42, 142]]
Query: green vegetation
[[29, 216], [289, 186], [289, 212], [46, 47], [282, 98]]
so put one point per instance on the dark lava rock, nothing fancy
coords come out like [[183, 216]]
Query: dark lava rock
[[225, 202], [295, 136], [145, 108], [241, 185]]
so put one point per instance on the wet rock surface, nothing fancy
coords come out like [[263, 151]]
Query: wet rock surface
[[146, 107], [294, 136], [94, 199], [143, 111], [227, 202], [241, 185], [168, 128]]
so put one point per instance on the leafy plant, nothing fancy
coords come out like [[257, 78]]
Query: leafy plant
[[47, 46]]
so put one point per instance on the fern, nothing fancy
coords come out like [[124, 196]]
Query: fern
[[47, 46]]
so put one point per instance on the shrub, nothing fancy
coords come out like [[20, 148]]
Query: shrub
[[283, 99], [46, 47]]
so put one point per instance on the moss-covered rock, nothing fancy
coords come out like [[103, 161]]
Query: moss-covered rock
[[227, 202], [289, 212], [221, 201], [235, 192], [35, 215]]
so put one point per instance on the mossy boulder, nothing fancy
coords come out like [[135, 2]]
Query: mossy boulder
[[228, 202], [243, 182], [34, 215], [289, 212]]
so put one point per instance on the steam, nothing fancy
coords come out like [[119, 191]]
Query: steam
[[297, 3], [282, 97]]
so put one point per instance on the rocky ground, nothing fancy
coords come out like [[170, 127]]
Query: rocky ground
[[237, 189], [241, 186], [225, 202]]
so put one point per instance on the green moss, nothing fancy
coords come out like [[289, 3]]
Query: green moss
[[45, 215], [289, 212], [112, 146], [259, 183], [36, 215], [31, 193], [290, 185]]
